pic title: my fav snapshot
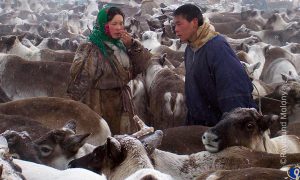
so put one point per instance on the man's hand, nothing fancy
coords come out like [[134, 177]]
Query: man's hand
[[126, 39]]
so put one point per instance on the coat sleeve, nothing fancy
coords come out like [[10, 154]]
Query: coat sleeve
[[234, 88], [82, 71], [139, 57]]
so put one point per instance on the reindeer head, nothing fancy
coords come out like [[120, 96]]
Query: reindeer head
[[240, 127], [120, 152], [58, 147], [21, 146], [6, 43]]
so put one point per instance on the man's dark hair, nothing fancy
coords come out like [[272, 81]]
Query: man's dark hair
[[189, 12], [112, 11]]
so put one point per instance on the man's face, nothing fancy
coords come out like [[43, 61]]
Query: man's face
[[185, 29]]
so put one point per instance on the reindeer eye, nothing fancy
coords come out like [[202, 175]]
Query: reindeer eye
[[15, 156], [250, 126], [45, 150]]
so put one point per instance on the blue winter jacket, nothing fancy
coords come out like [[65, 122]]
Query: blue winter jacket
[[215, 83]]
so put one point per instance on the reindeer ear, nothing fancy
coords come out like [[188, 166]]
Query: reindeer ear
[[266, 49], [9, 41], [114, 149], [152, 141], [20, 37], [70, 125], [162, 59], [3, 142], [267, 121], [284, 77], [11, 137], [75, 142], [256, 66], [244, 47]]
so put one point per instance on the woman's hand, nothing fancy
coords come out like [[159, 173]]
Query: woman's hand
[[126, 39]]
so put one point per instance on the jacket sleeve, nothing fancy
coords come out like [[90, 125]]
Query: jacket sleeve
[[234, 88], [82, 71], [139, 57]]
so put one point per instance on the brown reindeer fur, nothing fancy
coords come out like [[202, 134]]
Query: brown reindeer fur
[[55, 112], [22, 123], [165, 81], [27, 78], [183, 139]]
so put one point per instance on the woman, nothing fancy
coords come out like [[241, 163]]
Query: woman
[[103, 66]]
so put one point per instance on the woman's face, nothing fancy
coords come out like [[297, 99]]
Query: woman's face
[[116, 26]]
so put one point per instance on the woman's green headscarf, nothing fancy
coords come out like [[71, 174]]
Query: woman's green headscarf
[[98, 35]]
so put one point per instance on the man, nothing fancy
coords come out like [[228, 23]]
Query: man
[[215, 79]]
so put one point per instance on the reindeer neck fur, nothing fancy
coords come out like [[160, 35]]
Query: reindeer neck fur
[[289, 47], [289, 144], [279, 145], [265, 144], [173, 164], [273, 72], [74, 23], [152, 70], [136, 159], [261, 19], [19, 49], [137, 87], [257, 55], [280, 24], [23, 51], [263, 88], [173, 46], [190, 166]]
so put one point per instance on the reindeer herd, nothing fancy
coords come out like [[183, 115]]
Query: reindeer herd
[[45, 135]]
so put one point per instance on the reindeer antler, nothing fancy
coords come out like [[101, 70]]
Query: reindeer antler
[[144, 128]]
